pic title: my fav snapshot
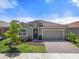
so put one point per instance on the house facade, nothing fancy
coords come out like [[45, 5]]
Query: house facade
[[73, 27], [47, 30]]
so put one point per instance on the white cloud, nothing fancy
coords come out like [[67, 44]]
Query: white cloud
[[67, 13], [75, 2], [4, 4], [4, 18], [61, 20], [25, 19], [21, 19], [68, 17], [66, 20]]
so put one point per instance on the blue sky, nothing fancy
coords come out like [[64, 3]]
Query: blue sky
[[60, 11]]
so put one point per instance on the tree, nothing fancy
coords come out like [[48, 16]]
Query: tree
[[13, 31]]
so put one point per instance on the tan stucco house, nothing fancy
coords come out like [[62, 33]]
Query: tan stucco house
[[47, 30]]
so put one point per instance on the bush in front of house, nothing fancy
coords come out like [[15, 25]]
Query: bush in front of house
[[23, 38], [72, 37], [77, 39], [29, 38]]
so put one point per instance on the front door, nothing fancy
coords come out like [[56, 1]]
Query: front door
[[35, 33]]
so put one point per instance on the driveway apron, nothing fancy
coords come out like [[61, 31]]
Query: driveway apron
[[61, 47]]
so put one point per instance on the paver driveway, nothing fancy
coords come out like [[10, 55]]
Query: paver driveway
[[61, 47]]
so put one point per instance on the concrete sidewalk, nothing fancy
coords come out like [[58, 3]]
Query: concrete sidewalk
[[40, 56]]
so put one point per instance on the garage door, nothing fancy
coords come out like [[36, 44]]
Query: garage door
[[53, 35]]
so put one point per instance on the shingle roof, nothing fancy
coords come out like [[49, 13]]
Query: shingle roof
[[46, 23], [24, 25], [74, 25]]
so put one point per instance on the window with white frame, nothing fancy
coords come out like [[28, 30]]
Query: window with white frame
[[23, 32]]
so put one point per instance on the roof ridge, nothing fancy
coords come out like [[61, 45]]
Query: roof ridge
[[3, 21], [50, 22], [74, 22]]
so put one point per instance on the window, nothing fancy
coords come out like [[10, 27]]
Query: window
[[23, 31]]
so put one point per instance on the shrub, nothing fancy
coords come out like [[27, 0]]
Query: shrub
[[29, 38], [71, 37], [77, 39], [23, 39]]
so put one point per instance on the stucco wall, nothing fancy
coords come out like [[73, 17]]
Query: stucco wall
[[75, 30]]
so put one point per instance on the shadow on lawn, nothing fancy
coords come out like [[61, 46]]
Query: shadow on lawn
[[12, 52]]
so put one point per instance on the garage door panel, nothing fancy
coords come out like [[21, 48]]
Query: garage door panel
[[53, 35]]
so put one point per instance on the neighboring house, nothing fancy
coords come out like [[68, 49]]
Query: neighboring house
[[47, 30], [73, 27], [3, 28]]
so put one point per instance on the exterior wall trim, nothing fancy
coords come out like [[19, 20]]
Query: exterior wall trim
[[54, 27]]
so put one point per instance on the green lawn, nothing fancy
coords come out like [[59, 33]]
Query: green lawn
[[77, 44], [22, 48]]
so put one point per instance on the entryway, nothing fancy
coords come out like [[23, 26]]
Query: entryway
[[35, 33]]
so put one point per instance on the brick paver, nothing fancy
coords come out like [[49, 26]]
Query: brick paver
[[61, 47]]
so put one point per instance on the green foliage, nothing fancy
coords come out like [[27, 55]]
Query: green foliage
[[72, 37], [77, 39], [23, 48], [13, 31]]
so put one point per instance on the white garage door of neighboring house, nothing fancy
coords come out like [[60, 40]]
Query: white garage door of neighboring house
[[53, 35]]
